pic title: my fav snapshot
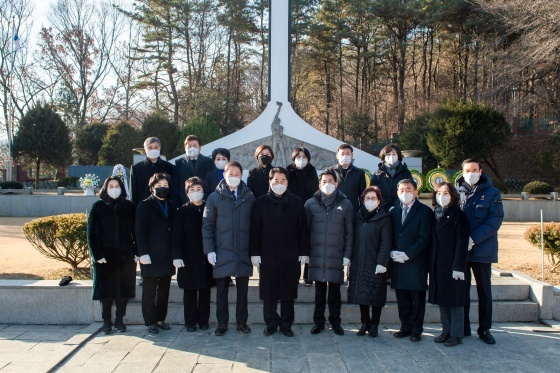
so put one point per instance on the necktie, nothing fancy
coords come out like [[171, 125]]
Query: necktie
[[193, 162], [405, 212], [233, 195]]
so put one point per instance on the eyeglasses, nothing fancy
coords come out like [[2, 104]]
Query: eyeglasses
[[370, 199]]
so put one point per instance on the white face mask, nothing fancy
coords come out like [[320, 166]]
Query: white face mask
[[233, 181], [279, 189], [195, 196], [192, 151], [391, 159], [328, 189], [220, 165], [406, 198], [443, 199], [471, 177], [300, 163], [152, 153], [344, 160], [370, 205], [114, 193]]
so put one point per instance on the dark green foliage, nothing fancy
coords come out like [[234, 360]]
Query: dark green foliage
[[11, 185], [500, 185], [158, 125], [205, 129], [68, 182], [88, 142], [538, 187], [415, 136], [118, 144]]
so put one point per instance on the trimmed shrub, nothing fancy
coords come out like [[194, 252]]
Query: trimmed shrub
[[60, 237], [500, 185], [11, 185], [68, 182], [551, 238], [538, 187]]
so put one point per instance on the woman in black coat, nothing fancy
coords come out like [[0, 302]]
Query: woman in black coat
[[194, 273], [154, 219], [257, 180], [110, 233], [370, 256], [390, 171], [448, 263]]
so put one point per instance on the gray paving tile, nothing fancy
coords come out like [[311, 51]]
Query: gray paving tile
[[105, 361], [9, 335], [206, 368], [45, 336], [19, 366]]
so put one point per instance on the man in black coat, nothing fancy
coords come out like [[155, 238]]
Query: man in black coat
[[141, 172], [351, 179], [192, 164], [412, 228], [279, 242]]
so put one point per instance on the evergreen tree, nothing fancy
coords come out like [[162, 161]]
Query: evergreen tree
[[118, 144], [158, 125], [88, 143]]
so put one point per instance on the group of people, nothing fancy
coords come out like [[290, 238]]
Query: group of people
[[200, 219]]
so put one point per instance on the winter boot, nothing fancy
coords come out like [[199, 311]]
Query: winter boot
[[373, 331]]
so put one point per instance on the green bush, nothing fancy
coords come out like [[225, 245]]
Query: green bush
[[60, 237], [538, 187], [68, 182], [500, 185], [11, 185], [551, 238]]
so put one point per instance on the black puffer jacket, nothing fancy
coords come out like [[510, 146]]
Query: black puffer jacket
[[388, 185], [372, 245]]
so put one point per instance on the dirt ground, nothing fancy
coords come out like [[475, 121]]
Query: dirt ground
[[18, 259]]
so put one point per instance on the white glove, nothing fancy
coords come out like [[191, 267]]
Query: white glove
[[256, 260], [404, 257], [145, 259], [458, 275], [380, 269], [345, 262], [471, 243], [102, 261], [397, 256], [136, 258], [212, 258], [178, 263], [304, 259]]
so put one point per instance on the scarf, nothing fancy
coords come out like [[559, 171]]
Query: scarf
[[327, 201], [440, 211], [466, 191], [278, 202], [366, 215]]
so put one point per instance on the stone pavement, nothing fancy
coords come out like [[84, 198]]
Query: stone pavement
[[521, 347]]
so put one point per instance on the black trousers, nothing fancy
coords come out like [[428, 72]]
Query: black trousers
[[155, 296], [286, 317], [222, 306], [107, 304], [321, 301], [375, 314], [482, 274], [305, 272], [196, 305], [412, 307]]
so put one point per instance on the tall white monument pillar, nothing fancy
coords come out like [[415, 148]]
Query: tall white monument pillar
[[279, 51]]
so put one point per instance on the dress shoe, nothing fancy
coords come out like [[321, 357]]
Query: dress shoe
[[374, 331], [119, 324], [453, 341], [288, 332], [337, 329], [487, 337], [153, 329], [415, 338], [441, 338], [316, 329], [203, 326], [221, 330], [401, 334], [163, 325], [243, 328], [191, 327], [363, 330], [106, 328], [269, 330]]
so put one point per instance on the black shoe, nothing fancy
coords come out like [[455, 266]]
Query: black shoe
[[338, 329], [401, 334], [163, 325], [119, 324], [363, 330], [203, 326], [288, 332], [441, 338], [269, 330], [467, 332], [415, 338], [106, 328], [243, 328], [374, 331], [316, 329], [153, 329], [453, 341], [221, 330], [487, 337], [191, 327]]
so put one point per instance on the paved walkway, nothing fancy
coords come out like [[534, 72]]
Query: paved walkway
[[35, 348]]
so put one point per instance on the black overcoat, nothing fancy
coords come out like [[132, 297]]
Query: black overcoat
[[110, 234], [448, 253], [279, 241], [257, 180], [187, 245], [388, 184], [183, 170], [413, 238], [140, 175], [372, 245], [153, 237], [303, 183]]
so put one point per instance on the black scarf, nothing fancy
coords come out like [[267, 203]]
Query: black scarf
[[366, 215], [278, 201], [440, 211]]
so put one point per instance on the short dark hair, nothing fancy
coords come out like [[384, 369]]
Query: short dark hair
[[345, 146], [277, 170], [388, 149], [103, 192], [260, 148], [374, 189], [222, 151], [455, 197], [159, 177], [471, 160], [305, 151], [327, 173], [195, 180], [192, 138], [408, 181], [233, 164]]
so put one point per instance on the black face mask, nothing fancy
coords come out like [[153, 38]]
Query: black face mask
[[162, 192], [265, 160]]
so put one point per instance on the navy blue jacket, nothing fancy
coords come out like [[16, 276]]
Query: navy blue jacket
[[485, 212]]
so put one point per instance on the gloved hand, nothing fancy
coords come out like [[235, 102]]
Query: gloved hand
[[212, 258], [345, 262], [304, 259], [380, 269], [256, 260], [178, 263], [458, 275], [145, 259], [136, 258], [404, 257], [102, 261], [471, 243], [397, 256]]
